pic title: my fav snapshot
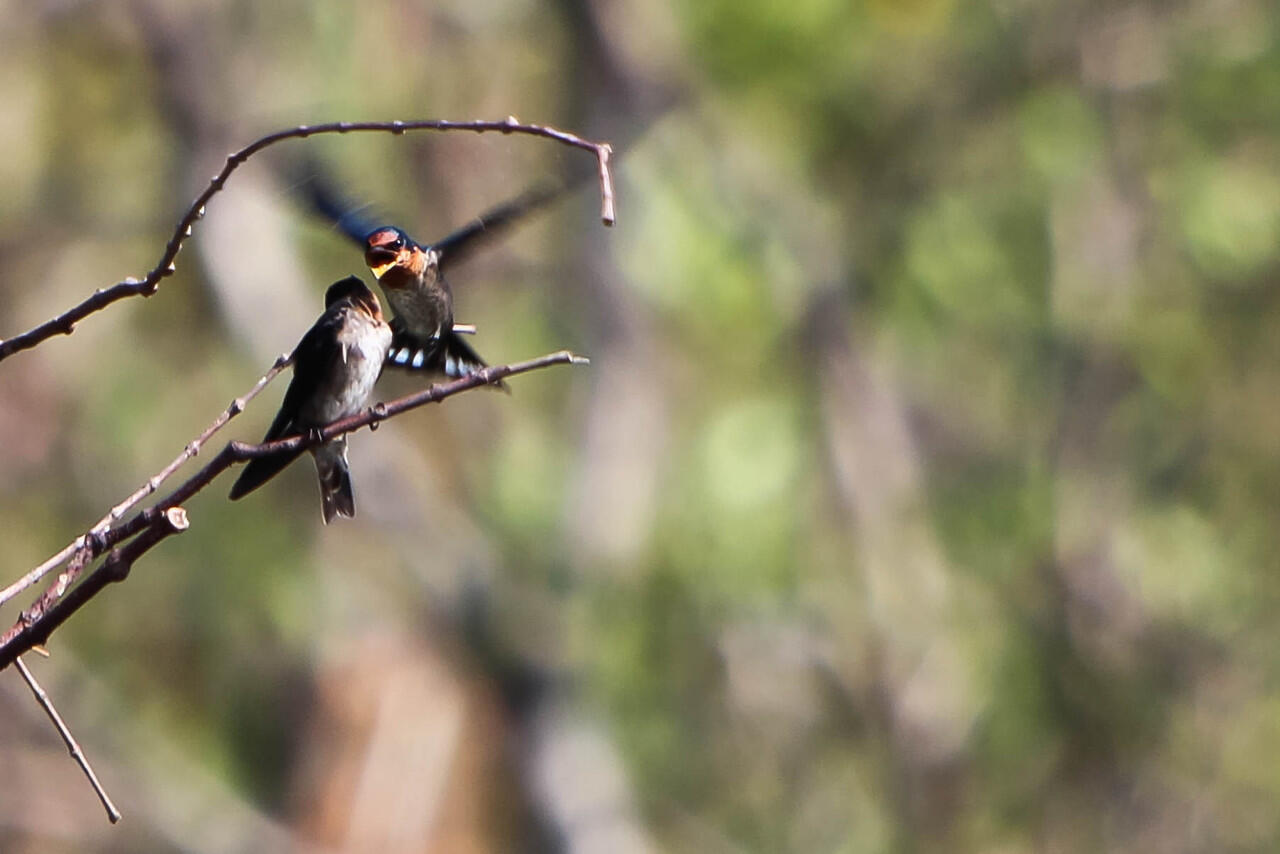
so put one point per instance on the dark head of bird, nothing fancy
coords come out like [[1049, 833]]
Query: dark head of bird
[[354, 289], [387, 247]]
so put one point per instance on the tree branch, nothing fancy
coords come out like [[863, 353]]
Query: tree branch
[[113, 814], [88, 546], [51, 611], [148, 528], [64, 324]]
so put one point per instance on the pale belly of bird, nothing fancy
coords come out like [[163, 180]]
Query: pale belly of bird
[[364, 347]]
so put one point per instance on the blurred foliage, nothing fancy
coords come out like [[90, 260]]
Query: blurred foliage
[[922, 493]]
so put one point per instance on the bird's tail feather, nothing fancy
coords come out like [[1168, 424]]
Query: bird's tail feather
[[336, 495], [259, 471], [449, 354]]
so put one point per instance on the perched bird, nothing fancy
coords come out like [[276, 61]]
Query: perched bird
[[423, 335], [334, 368]]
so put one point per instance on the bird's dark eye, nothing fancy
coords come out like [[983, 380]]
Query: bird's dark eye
[[397, 244]]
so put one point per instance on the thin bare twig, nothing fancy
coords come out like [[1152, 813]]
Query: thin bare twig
[[156, 523], [64, 324], [193, 447], [69, 740], [380, 412], [603, 152], [86, 547]]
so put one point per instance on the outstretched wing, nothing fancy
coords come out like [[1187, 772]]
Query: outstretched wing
[[495, 222], [318, 187]]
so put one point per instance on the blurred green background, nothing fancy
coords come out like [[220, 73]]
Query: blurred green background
[[921, 495]]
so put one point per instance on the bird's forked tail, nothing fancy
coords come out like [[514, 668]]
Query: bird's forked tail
[[336, 495]]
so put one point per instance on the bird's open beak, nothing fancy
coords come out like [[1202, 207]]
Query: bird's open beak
[[380, 259]]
